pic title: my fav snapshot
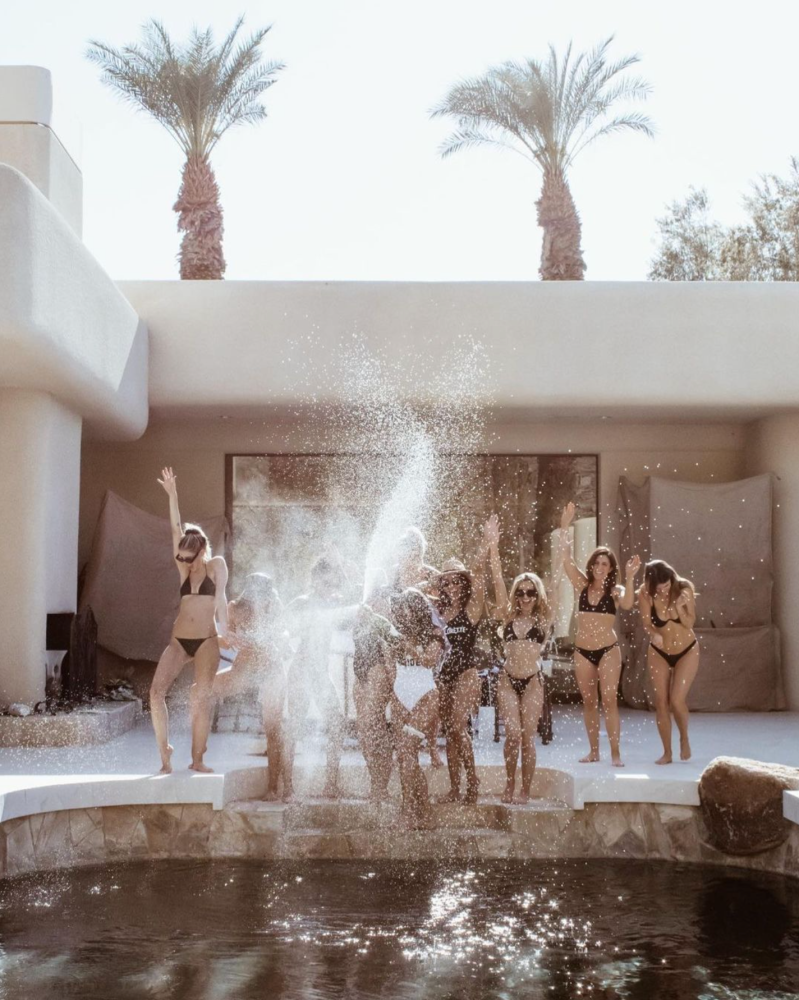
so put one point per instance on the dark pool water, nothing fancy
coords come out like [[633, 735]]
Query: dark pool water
[[235, 930]]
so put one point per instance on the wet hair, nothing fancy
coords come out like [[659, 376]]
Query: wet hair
[[613, 575], [259, 591], [541, 608], [412, 537], [466, 583], [195, 540], [657, 572], [328, 566], [415, 617]]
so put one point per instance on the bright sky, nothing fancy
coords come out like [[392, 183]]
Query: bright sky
[[344, 181]]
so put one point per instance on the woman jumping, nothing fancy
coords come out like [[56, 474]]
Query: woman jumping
[[525, 620], [201, 622], [668, 613], [597, 657]]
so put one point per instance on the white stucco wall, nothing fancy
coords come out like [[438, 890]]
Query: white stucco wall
[[39, 500], [773, 446], [567, 349], [65, 328]]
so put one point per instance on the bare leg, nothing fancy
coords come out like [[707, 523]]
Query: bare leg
[[609, 674], [206, 663], [509, 710], [446, 701], [327, 699], [173, 660], [298, 701], [273, 697], [683, 677], [587, 676], [415, 795], [371, 698], [661, 679], [531, 705], [465, 702]]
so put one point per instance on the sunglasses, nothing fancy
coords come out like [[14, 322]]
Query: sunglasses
[[527, 593], [186, 559]]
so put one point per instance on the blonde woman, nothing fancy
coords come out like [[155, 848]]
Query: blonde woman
[[525, 619], [597, 657], [668, 613], [201, 622]]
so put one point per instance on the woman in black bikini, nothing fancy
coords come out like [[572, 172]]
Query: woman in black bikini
[[461, 602], [597, 657], [525, 618], [668, 612], [201, 622]]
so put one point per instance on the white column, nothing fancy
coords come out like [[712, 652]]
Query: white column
[[39, 500], [773, 446]]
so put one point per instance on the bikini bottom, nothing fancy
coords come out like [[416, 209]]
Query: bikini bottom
[[673, 658], [519, 684], [191, 646], [412, 683], [595, 655]]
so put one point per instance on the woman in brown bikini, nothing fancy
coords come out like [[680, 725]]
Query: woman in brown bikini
[[201, 622]]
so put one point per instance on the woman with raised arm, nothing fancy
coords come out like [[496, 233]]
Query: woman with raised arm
[[525, 620], [668, 613], [258, 633], [461, 603], [597, 657], [201, 622]]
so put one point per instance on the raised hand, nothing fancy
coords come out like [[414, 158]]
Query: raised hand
[[682, 601], [567, 516], [169, 481], [491, 530], [632, 566]]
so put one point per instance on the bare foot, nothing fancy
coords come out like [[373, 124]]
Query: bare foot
[[685, 750], [665, 759], [592, 757], [271, 795], [288, 794], [197, 765], [436, 760], [617, 761], [522, 799], [470, 798], [507, 795], [451, 797], [166, 760], [331, 791]]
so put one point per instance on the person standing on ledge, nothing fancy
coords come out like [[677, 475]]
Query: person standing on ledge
[[668, 613], [461, 602], [597, 657], [525, 620], [201, 622]]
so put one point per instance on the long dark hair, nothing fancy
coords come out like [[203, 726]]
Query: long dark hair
[[658, 572], [415, 617], [613, 575]]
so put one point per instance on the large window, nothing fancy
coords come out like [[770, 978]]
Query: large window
[[285, 510]]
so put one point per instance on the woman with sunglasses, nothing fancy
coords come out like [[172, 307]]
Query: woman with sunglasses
[[201, 622], [525, 619], [597, 657], [460, 603]]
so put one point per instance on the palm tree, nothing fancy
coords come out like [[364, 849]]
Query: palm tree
[[549, 112], [197, 91]]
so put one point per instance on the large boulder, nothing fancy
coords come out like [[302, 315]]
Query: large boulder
[[742, 804]]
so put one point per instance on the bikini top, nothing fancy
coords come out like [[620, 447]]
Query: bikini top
[[604, 606], [659, 622], [207, 588], [535, 633]]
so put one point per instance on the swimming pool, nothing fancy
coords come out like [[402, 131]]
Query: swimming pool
[[213, 930]]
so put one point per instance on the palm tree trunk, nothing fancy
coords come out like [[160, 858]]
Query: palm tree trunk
[[200, 220], [561, 253]]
